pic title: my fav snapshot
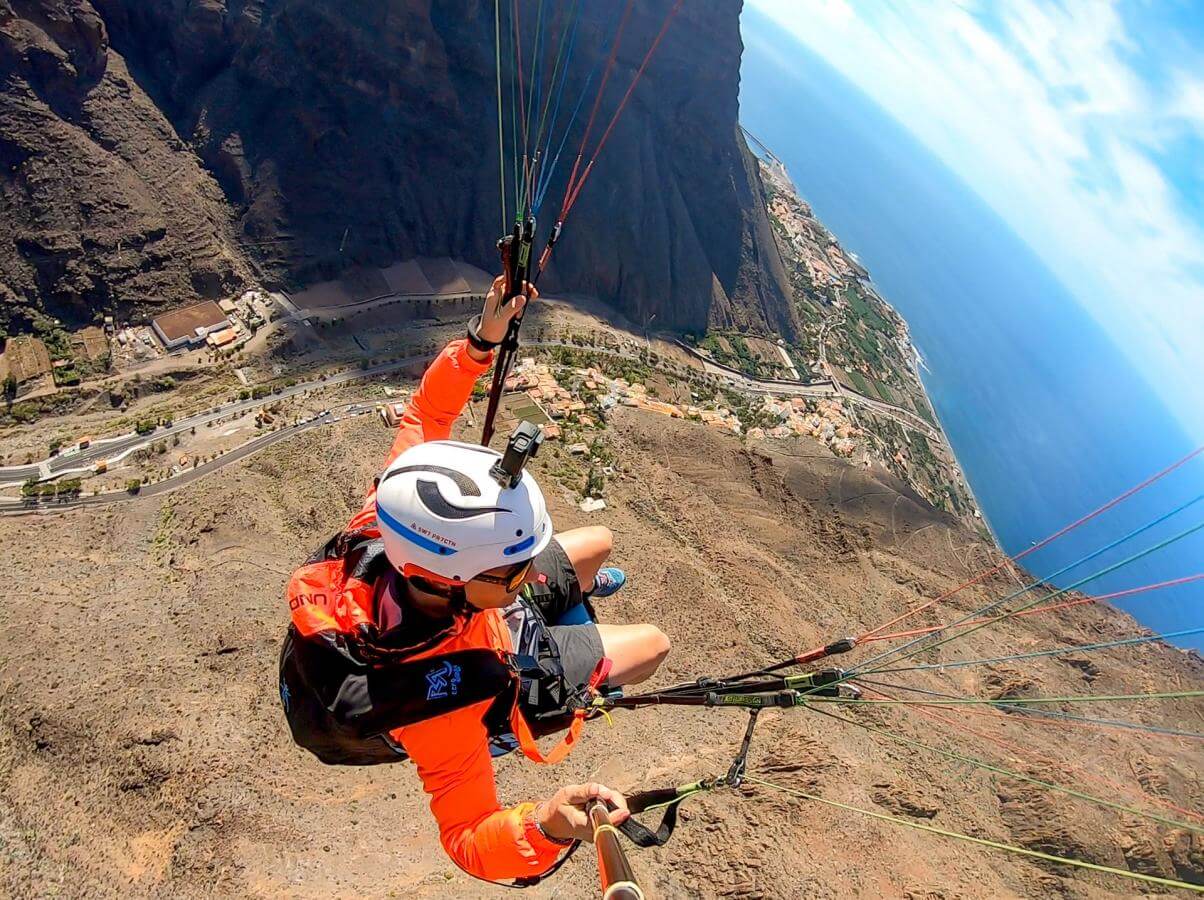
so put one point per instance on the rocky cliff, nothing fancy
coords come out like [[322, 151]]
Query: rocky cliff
[[103, 203], [153, 152]]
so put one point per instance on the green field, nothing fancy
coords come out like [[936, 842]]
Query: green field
[[859, 383], [866, 313]]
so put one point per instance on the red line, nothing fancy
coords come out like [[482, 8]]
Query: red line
[[622, 103], [1049, 762], [1043, 543], [518, 64], [1041, 609], [610, 62]]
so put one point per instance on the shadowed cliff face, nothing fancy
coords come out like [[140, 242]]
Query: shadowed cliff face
[[103, 205], [337, 133]]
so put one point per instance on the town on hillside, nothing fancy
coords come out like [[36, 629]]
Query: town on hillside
[[851, 339], [131, 404]]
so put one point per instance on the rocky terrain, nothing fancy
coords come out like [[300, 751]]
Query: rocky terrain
[[105, 206], [156, 152], [151, 153], [143, 752]]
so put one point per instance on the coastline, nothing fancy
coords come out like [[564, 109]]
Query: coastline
[[863, 344], [920, 368]]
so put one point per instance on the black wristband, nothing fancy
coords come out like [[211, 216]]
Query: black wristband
[[478, 342]]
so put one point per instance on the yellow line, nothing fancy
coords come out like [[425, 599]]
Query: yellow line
[[995, 845]]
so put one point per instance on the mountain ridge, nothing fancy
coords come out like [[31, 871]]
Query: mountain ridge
[[157, 153]]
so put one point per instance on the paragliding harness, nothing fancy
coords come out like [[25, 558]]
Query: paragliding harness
[[345, 686]]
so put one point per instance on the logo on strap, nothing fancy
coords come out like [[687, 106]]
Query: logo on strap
[[443, 681]]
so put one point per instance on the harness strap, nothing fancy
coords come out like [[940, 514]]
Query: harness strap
[[526, 740], [640, 834]]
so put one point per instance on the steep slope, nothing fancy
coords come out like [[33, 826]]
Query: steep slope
[[360, 132], [159, 717], [104, 206]]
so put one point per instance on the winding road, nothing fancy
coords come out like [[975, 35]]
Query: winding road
[[107, 448], [77, 460], [22, 506], [826, 387]]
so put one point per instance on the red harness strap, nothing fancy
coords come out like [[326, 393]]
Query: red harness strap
[[526, 740]]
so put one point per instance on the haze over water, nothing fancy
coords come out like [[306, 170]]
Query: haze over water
[[1046, 416]]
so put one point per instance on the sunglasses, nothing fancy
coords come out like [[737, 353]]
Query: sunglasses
[[512, 580]]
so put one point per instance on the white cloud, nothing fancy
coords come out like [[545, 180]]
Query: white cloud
[[1188, 103], [1045, 114]]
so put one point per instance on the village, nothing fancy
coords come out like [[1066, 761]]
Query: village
[[35, 366], [853, 346], [580, 396], [569, 385]]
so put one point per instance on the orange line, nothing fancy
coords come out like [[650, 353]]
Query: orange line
[[1037, 546], [1040, 609]]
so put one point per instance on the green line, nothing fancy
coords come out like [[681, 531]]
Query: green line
[[1012, 701], [513, 54], [555, 71], [1059, 651], [854, 673], [1042, 714], [982, 842], [1024, 590], [1061, 591], [527, 166], [983, 764], [687, 790]]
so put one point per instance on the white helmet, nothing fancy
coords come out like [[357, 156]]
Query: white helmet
[[440, 511]]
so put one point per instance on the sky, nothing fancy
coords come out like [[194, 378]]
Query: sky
[[1080, 123]]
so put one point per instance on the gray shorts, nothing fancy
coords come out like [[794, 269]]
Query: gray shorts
[[579, 646]]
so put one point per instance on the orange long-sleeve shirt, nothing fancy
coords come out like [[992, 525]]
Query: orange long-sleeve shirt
[[451, 752]]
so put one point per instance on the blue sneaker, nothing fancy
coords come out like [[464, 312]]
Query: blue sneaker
[[608, 581]]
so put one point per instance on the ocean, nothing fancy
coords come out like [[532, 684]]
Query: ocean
[[1045, 414]]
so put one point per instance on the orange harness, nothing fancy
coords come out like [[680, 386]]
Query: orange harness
[[345, 688]]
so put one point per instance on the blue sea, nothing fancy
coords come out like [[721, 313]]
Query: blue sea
[[1047, 417]]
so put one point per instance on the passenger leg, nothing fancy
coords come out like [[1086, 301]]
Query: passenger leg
[[587, 549], [635, 651]]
